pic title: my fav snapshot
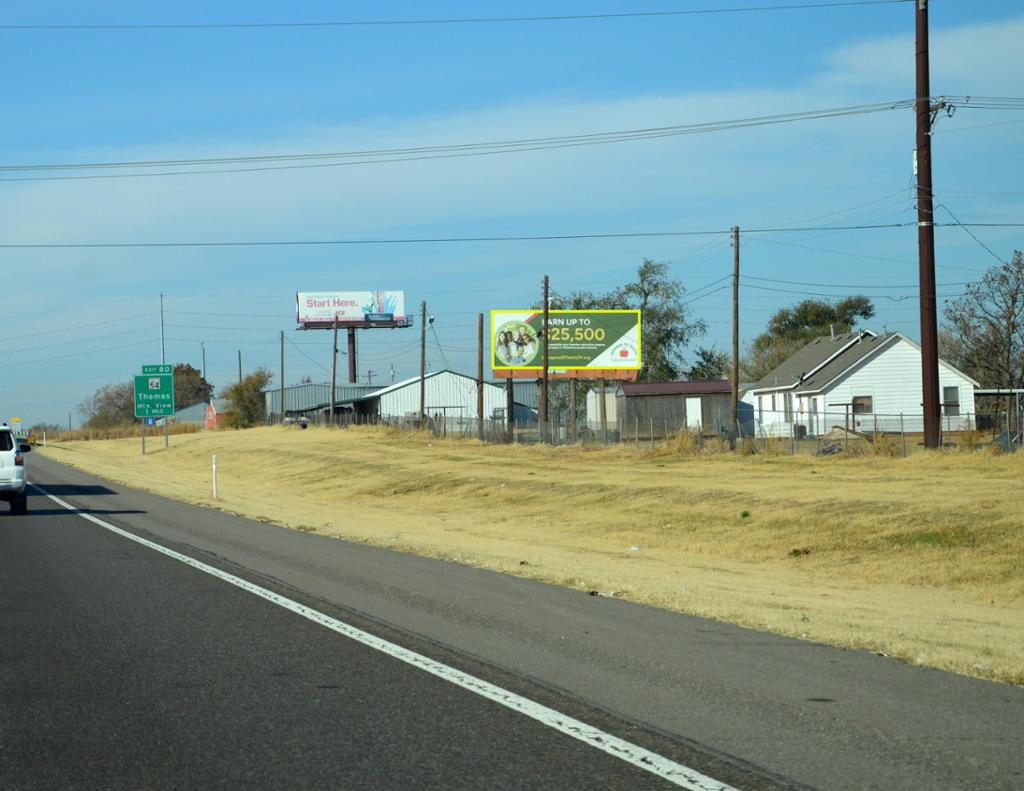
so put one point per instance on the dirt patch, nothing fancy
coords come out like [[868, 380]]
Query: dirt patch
[[919, 558]]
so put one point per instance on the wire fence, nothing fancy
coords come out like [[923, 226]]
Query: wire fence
[[821, 434]]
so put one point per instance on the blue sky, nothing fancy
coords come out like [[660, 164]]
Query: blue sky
[[87, 317]]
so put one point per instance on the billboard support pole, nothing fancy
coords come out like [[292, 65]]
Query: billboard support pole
[[544, 375], [510, 407], [352, 370], [334, 373], [142, 427], [480, 377]]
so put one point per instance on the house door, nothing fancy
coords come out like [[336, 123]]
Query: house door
[[692, 412]]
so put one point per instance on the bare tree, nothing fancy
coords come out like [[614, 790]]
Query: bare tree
[[984, 332]]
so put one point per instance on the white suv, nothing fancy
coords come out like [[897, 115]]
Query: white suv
[[12, 470]]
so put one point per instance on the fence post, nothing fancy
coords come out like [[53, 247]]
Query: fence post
[[636, 432], [792, 435], [214, 476], [903, 437], [652, 433]]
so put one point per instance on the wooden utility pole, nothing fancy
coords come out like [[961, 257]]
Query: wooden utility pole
[[926, 237], [735, 390], [602, 410], [334, 372], [423, 365], [239, 366], [352, 356], [282, 376], [544, 376], [480, 376]]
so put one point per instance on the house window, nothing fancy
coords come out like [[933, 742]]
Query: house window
[[773, 405], [862, 405], [787, 400], [951, 401], [760, 408]]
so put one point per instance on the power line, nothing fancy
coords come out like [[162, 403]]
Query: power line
[[894, 298], [453, 20], [838, 285], [968, 231], [24, 350], [423, 153], [300, 351], [470, 239], [79, 354], [78, 327]]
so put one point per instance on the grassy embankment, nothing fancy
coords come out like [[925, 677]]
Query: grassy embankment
[[920, 558]]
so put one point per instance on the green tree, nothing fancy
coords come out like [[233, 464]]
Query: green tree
[[190, 387], [792, 327], [984, 332], [248, 404], [710, 364], [666, 323], [110, 405]]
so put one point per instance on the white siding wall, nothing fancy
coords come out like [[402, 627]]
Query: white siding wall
[[893, 380], [594, 407], [457, 393]]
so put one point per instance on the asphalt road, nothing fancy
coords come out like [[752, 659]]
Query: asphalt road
[[123, 667]]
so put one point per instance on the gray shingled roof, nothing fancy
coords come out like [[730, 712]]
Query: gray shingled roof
[[806, 359]]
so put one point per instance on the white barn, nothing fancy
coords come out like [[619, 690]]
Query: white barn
[[860, 380]]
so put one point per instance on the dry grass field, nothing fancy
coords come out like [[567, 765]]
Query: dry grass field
[[921, 558]]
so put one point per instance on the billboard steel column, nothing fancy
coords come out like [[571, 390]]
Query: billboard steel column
[[352, 371], [926, 237]]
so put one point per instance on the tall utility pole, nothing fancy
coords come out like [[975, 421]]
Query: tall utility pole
[[334, 372], [480, 376], [163, 356], [163, 361], [369, 377], [544, 376], [423, 365], [239, 366], [734, 396], [282, 376], [926, 238], [352, 379], [203, 347]]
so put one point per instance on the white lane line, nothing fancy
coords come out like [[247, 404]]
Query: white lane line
[[674, 772]]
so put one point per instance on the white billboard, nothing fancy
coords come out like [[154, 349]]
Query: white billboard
[[318, 307]]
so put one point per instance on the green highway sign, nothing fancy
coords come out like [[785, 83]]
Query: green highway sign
[[154, 393], [158, 369]]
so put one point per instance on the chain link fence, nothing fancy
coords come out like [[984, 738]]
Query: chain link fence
[[775, 432]]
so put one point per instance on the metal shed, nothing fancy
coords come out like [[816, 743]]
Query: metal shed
[[449, 396], [661, 409], [311, 398]]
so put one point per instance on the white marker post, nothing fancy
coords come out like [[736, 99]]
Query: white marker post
[[214, 476]]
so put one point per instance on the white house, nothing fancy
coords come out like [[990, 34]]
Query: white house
[[860, 380]]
